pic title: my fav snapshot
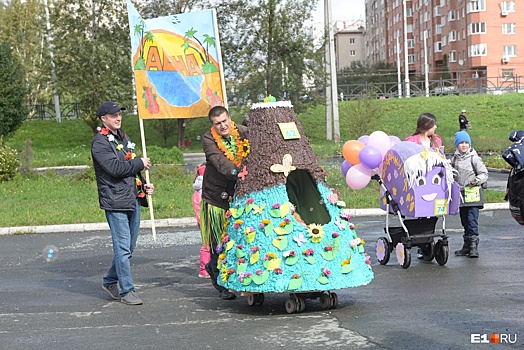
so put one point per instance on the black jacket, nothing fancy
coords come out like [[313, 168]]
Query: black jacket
[[115, 175], [219, 181]]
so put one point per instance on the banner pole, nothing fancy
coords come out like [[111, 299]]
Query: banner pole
[[219, 58], [149, 197]]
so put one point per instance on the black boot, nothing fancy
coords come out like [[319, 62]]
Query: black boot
[[473, 247], [465, 247]]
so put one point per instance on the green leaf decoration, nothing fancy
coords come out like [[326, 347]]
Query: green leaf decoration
[[361, 248], [295, 283], [254, 258], [280, 243], [241, 268], [268, 229], [274, 263], [249, 207], [274, 212], [323, 279], [336, 242], [328, 255], [247, 281], [259, 279], [239, 253], [347, 268], [250, 237], [230, 245], [311, 260], [289, 227], [284, 209], [292, 260], [236, 212]]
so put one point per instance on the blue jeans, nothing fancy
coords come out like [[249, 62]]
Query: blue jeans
[[125, 226], [469, 218]]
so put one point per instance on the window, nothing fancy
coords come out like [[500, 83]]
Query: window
[[352, 41], [510, 50], [452, 36], [352, 53], [411, 59], [508, 6], [453, 56], [508, 28], [451, 15], [477, 28], [438, 46], [476, 5], [409, 12], [507, 74], [478, 50], [411, 43], [409, 28]]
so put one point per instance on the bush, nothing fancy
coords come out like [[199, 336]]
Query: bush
[[8, 163], [159, 155]]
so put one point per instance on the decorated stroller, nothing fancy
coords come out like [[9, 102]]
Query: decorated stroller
[[417, 186], [286, 232]]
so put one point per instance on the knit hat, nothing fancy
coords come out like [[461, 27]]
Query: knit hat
[[462, 136]]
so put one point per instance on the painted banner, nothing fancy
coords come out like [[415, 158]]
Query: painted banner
[[177, 64]]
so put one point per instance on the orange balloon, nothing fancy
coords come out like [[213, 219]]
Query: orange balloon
[[351, 150]]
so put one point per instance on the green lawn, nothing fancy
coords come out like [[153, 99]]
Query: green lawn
[[51, 199]]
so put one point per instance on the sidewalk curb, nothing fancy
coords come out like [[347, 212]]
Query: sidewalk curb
[[182, 222]]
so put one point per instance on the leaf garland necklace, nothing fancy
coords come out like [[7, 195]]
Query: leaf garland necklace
[[236, 149]]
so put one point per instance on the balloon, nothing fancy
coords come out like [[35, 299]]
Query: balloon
[[380, 140], [370, 157], [364, 139], [350, 151], [358, 177], [394, 140], [345, 167]]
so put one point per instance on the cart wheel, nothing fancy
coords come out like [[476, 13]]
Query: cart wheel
[[403, 255], [291, 306], [251, 299], [428, 251], [325, 301], [259, 299], [334, 299], [301, 304], [383, 250], [441, 253]]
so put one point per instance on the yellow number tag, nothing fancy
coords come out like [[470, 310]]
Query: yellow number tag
[[289, 131], [441, 207]]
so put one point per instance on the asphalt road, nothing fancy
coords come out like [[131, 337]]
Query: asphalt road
[[54, 300]]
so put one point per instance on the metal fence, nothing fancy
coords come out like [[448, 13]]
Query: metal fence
[[47, 111], [441, 87]]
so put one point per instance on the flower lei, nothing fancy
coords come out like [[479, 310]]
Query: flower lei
[[129, 155], [237, 149]]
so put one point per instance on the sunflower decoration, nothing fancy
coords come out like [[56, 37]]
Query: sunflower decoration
[[316, 232], [245, 148]]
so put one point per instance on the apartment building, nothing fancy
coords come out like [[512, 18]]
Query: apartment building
[[467, 38], [349, 43]]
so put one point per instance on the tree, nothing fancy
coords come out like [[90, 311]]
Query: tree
[[93, 55], [160, 8], [268, 48], [13, 91], [22, 24]]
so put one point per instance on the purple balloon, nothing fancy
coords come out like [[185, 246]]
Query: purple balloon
[[345, 167], [370, 157], [364, 139], [394, 140]]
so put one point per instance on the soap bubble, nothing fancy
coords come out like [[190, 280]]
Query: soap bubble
[[234, 171], [224, 195], [50, 253]]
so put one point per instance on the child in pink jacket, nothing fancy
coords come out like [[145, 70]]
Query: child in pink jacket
[[196, 199]]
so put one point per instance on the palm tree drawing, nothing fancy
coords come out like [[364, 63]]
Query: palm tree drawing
[[139, 31], [208, 66]]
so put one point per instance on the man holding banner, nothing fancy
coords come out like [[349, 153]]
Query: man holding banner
[[121, 192], [223, 160]]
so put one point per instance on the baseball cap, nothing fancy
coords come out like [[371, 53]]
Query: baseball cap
[[463, 111], [109, 107]]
